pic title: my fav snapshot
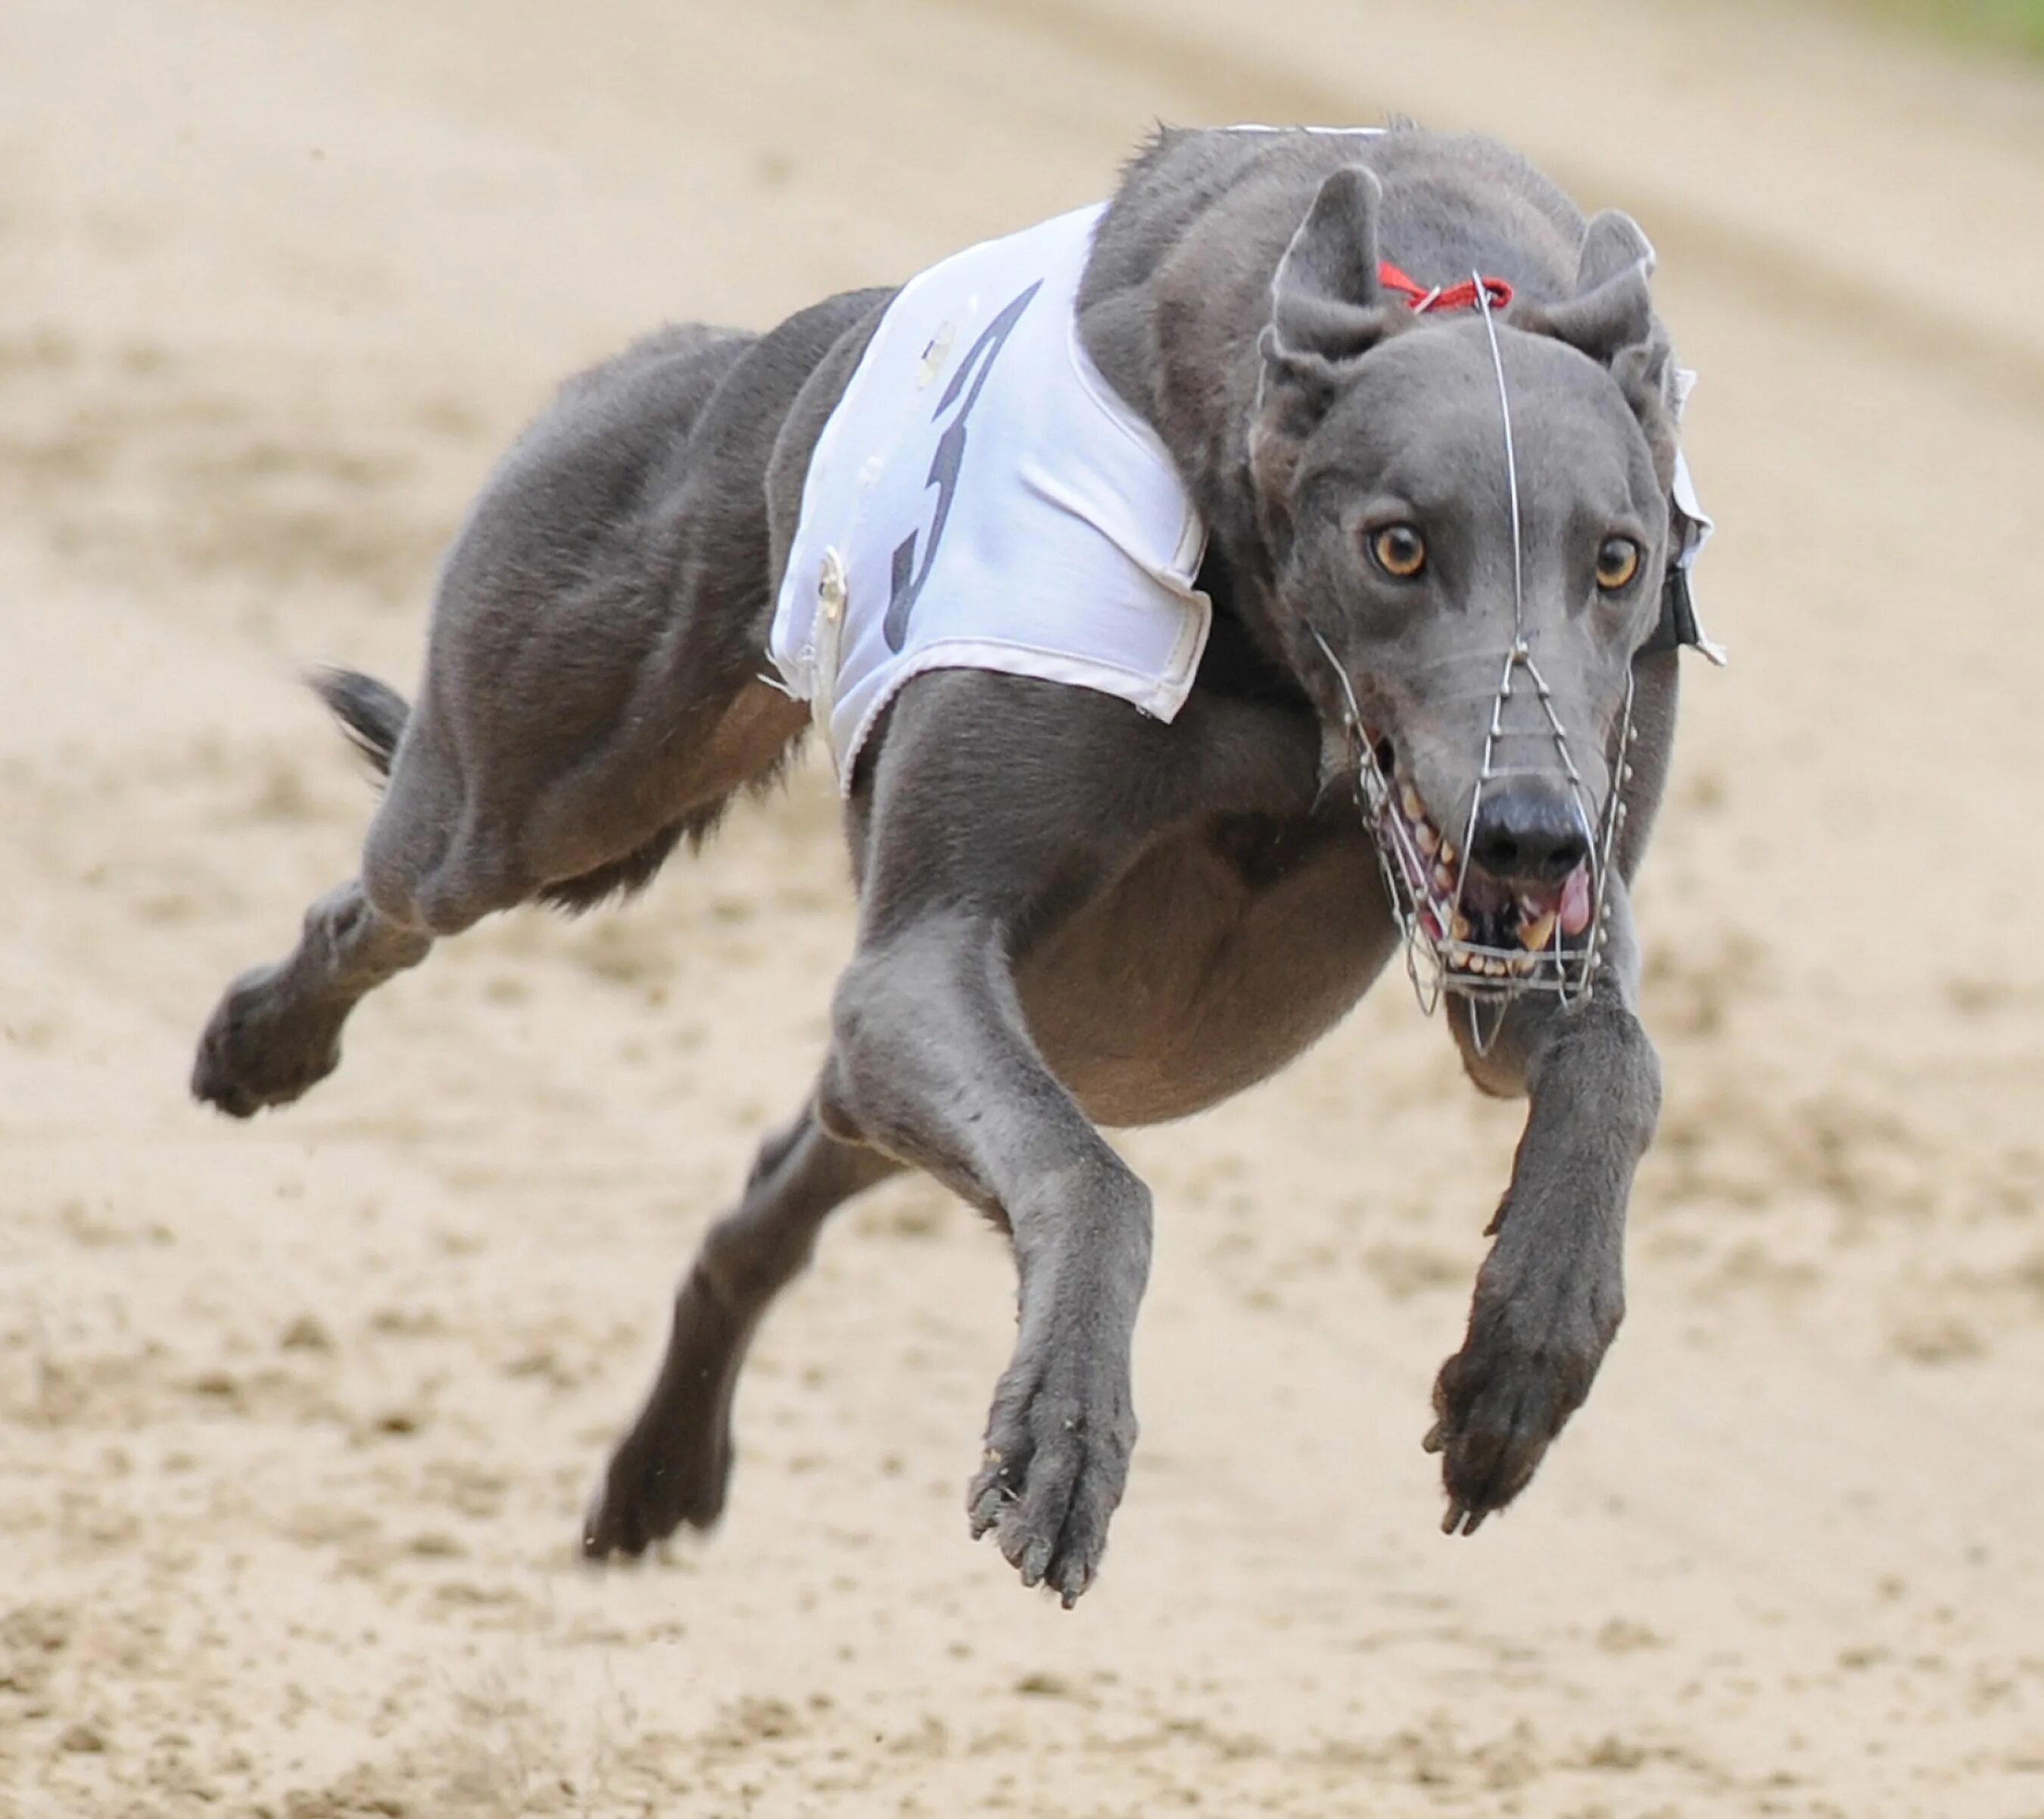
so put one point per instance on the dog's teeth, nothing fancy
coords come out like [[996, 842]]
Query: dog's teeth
[[1496, 967], [1408, 799], [1536, 934], [1447, 851], [1458, 926], [1428, 841], [1444, 879], [1522, 964]]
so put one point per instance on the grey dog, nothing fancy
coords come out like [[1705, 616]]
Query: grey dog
[[1072, 915]]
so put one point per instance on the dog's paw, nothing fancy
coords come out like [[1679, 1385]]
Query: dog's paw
[[263, 1046], [1499, 1402], [653, 1486], [1057, 1446]]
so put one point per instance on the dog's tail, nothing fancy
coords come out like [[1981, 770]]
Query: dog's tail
[[371, 713]]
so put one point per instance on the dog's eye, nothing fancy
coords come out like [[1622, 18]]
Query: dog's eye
[[1400, 550], [1618, 562]]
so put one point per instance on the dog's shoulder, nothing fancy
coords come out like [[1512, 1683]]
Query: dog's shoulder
[[1177, 285]]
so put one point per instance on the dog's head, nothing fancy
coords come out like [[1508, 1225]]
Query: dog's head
[[1491, 683]]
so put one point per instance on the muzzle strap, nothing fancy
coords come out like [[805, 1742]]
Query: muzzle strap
[[1689, 525]]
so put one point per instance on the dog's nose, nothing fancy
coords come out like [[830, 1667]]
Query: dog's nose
[[1529, 833]]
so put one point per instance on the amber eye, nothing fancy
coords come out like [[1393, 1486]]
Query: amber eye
[[1400, 551], [1618, 562]]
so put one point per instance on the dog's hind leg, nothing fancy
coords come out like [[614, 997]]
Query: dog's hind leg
[[672, 1467], [276, 1033], [439, 857], [591, 695]]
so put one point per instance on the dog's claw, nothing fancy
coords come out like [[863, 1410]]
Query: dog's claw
[[1462, 1519], [1035, 1561], [989, 1497], [1435, 1439]]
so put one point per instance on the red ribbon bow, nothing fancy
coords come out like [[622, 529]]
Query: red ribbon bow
[[1419, 296]]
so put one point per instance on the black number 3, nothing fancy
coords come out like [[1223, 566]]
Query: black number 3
[[978, 362]]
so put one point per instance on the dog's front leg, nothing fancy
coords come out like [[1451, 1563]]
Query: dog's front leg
[[1549, 1296], [998, 807], [933, 1063]]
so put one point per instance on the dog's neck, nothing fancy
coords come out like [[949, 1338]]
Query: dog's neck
[[1176, 292], [1234, 662]]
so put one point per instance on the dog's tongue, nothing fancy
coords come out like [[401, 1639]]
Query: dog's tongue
[[1576, 901], [1570, 905]]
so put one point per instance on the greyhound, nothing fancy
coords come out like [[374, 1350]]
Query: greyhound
[[1442, 576]]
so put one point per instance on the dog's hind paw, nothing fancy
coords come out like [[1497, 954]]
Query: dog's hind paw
[[648, 1492], [1055, 1465], [263, 1046]]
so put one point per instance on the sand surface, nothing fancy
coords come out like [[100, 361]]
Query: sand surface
[[297, 1418]]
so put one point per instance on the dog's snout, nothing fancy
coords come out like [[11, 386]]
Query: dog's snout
[[1528, 835]]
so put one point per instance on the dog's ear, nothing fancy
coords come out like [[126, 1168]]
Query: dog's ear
[[1328, 310], [1327, 306], [1613, 307], [1610, 319]]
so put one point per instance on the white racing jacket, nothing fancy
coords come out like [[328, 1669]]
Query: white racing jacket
[[981, 499]]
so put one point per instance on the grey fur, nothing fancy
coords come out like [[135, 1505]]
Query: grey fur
[[1071, 916]]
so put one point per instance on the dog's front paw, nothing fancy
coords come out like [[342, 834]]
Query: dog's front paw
[[263, 1046], [1499, 1402], [1057, 1445], [658, 1480]]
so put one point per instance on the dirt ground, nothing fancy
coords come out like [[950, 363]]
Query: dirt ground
[[297, 1418]]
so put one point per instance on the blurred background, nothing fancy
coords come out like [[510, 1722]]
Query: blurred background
[[297, 1418]]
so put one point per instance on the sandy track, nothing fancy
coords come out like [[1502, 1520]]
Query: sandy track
[[296, 1419]]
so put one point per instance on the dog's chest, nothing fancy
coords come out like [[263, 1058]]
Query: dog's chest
[[1222, 954]]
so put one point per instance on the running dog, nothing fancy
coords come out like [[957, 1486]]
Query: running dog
[[1203, 596]]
